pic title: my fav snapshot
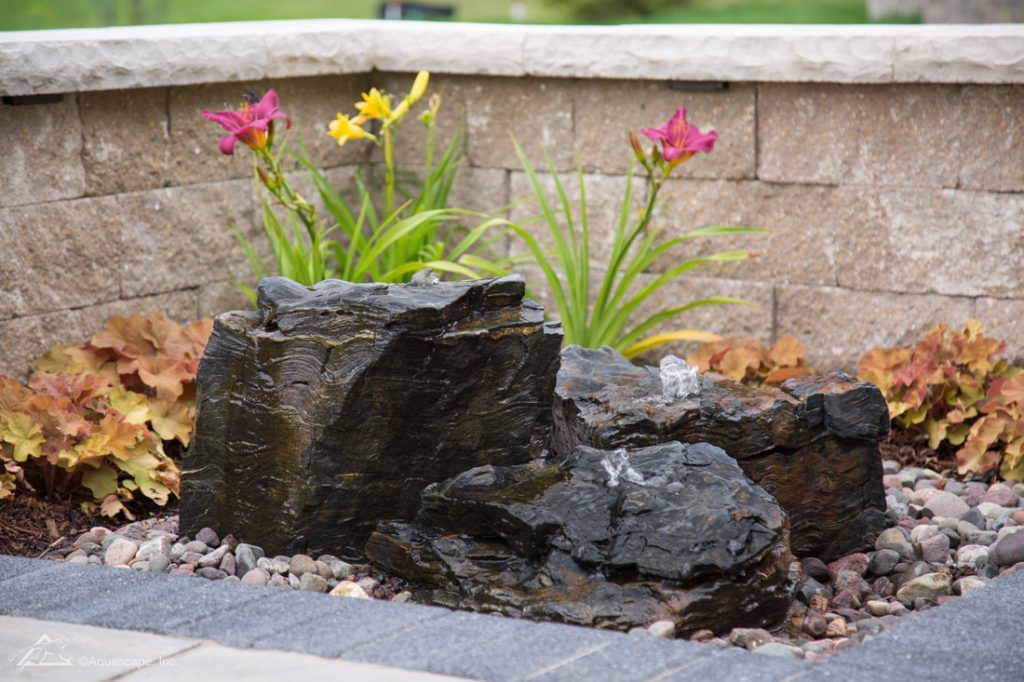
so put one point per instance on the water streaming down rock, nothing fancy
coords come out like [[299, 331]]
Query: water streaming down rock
[[332, 406], [614, 539], [812, 443]]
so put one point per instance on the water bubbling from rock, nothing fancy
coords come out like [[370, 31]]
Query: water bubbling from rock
[[678, 379], [620, 467]]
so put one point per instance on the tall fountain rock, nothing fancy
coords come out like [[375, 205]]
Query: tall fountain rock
[[812, 443], [332, 406], [612, 539]]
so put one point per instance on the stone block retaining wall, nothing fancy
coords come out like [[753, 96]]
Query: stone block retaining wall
[[887, 162]]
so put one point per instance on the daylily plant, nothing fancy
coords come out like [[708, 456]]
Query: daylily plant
[[603, 319], [392, 247]]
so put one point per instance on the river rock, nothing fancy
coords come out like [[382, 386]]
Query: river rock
[[812, 443], [330, 407], [928, 586], [678, 530]]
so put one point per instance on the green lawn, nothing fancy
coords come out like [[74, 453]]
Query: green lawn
[[33, 14]]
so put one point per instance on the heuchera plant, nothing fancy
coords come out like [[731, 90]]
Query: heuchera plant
[[97, 415], [750, 361], [956, 391], [604, 319]]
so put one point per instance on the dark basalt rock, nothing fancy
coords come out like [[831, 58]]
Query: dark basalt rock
[[812, 443], [332, 407], [596, 537]]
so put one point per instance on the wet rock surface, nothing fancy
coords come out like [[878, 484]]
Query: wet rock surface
[[332, 406], [613, 539], [812, 443]]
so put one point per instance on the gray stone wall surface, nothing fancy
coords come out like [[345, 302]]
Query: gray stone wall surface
[[890, 207]]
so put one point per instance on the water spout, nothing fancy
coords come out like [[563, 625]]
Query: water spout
[[678, 379]]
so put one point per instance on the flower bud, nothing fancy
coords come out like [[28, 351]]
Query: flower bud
[[419, 87], [638, 150]]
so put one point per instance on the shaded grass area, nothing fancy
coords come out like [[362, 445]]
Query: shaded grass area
[[43, 14]]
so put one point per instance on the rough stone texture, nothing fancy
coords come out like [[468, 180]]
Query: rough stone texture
[[59, 255], [893, 135], [901, 240], [42, 146], [688, 537], [1003, 319], [840, 325], [157, 258], [26, 338], [93, 59], [332, 407], [973, 11], [812, 443], [605, 110], [494, 112], [994, 132], [126, 143], [221, 297], [313, 103], [194, 153]]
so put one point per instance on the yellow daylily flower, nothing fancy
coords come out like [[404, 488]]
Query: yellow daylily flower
[[344, 130], [375, 105]]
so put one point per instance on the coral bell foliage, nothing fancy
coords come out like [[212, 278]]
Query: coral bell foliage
[[750, 361], [97, 415], [956, 391]]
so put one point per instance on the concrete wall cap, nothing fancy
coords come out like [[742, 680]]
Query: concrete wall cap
[[79, 60]]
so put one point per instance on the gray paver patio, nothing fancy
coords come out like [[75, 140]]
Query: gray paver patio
[[975, 637]]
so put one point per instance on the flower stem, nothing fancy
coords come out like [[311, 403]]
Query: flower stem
[[389, 173]]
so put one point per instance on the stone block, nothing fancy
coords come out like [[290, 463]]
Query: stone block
[[42, 149], [1003, 319], [312, 103], [26, 338], [931, 241], [221, 297], [897, 135], [993, 131], [605, 110], [839, 325], [492, 111], [126, 144], [58, 255], [182, 237], [537, 112]]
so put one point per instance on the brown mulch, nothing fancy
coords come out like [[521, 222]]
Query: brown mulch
[[29, 525], [911, 450]]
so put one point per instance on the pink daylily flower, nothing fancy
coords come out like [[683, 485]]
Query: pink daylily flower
[[250, 125], [680, 140]]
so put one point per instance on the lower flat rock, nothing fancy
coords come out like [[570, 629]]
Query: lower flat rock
[[613, 539]]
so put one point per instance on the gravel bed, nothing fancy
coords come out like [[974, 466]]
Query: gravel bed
[[947, 538]]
